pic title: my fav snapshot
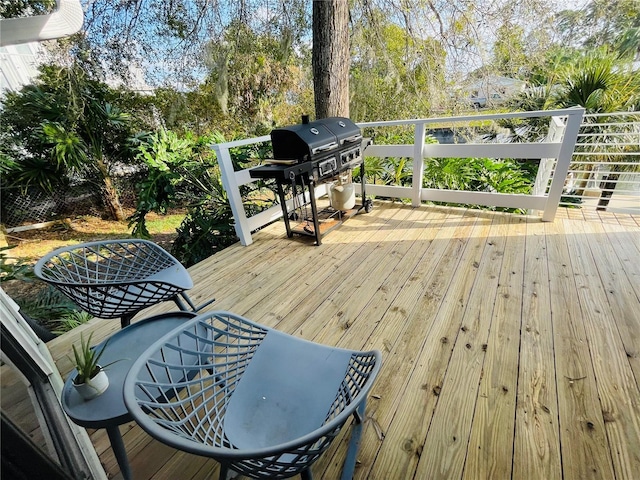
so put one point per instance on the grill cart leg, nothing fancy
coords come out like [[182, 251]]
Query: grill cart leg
[[367, 203], [314, 211], [283, 205]]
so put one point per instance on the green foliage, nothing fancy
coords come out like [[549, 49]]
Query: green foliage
[[450, 173], [390, 170], [209, 224], [23, 8], [600, 22], [85, 360], [502, 176], [47, 305], [14, 268], [70, 320], [183, 170], [509, 50], [253, 75], [394, 72], [599, 82], [374, 169], [176, 169], [164, 155], [63, 125], [478, 175], [204, 231]]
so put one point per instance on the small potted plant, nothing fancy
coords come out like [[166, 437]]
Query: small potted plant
[[91, 379]]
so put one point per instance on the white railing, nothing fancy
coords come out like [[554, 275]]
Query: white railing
[[556, 150]]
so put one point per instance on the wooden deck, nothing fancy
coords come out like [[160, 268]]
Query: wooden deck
[[511, 347]]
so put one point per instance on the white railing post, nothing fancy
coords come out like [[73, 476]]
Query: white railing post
[[574, 120], [556, 129], [418, 164], [230, 183]]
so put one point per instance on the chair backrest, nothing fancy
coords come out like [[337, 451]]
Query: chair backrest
[[265, 403], [113, 278]]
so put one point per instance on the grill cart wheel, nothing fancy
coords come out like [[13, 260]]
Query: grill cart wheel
[[368, 205]]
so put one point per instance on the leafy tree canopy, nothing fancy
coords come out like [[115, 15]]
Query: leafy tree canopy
[[25, 8]]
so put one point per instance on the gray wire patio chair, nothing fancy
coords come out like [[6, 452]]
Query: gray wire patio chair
[[262, 403], [117, 278]]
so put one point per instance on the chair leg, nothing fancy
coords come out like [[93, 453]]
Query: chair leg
[[178, 301], [125, 320], [354, 444], [306, 474]]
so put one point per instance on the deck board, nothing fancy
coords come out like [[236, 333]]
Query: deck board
[[616, 384], [461, 322], [490, 448], [537, 442], [510, 346], [585, 450]]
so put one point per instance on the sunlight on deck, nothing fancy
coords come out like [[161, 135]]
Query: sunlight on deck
[[511, 347]]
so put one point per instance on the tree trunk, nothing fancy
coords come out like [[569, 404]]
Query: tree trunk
[[331, 57], [110, 194], [112, 201], [608, 185]]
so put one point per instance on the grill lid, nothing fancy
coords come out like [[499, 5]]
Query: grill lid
[[343, 128], [307, 141]]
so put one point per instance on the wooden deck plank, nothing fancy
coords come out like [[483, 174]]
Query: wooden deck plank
[[297, 304], [626, 245], [295, 266], [537, 444], [184, 465], [623, 298], [490, 449], [469, 310], [336, 250], [442, 292], [353, 291], [417, 243], [584, 447], [616, 384], [423, 353]]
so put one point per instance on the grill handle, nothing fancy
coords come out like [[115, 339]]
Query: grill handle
[[353, 138], [325, 148]]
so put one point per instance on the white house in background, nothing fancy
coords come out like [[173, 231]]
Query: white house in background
[[493, 90]]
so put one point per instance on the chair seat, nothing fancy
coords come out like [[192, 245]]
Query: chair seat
[[285, 393], [263, 403]]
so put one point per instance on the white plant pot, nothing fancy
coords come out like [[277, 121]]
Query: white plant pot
[[94, 387]]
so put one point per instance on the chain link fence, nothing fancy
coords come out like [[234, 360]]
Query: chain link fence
[[20, 207]]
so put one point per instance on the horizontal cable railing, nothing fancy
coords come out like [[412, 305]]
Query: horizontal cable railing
[[605, 170]]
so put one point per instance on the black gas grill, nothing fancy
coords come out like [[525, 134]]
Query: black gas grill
[[332, 145], [309, 153]]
